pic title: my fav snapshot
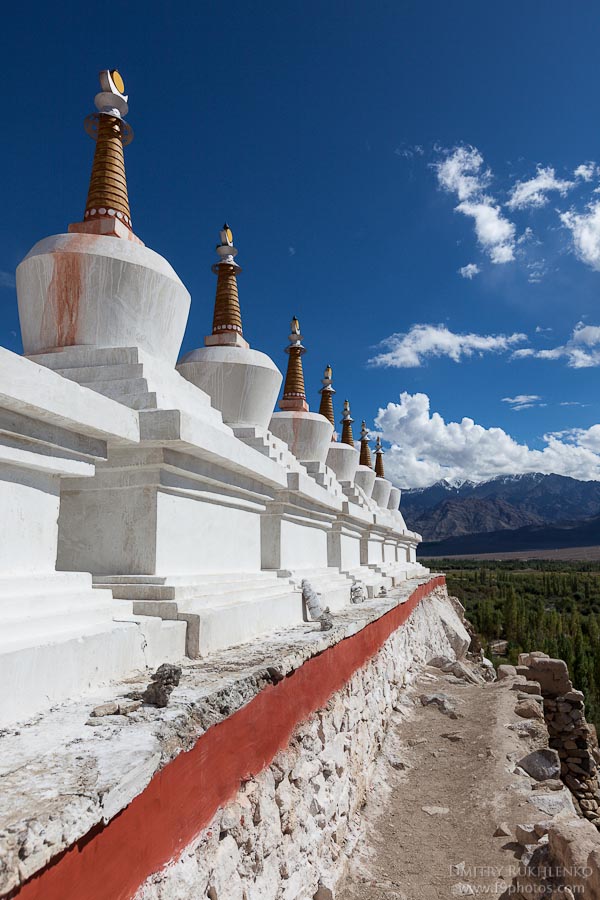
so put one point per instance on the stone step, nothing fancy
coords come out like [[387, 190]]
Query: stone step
[[45, 627], [89, 374], [199, 578], [115, 388], [198, 593], [165, 639], [78, 357], [217, 627], [37, 606], [46, 583]]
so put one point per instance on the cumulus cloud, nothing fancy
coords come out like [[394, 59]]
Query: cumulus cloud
[[581, 351], [462, 172], [469, 271], [523, 401], [406, 350], [585, 233], [585, 171], [425, 448], [534, 191]]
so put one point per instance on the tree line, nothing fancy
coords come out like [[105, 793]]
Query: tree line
[[547, 605]]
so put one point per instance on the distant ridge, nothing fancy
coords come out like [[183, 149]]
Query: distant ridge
[[505, 504], [532, 537]]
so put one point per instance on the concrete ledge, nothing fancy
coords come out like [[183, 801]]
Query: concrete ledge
[[36, 391], [63, 782]]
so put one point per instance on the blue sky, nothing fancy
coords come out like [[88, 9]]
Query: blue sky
[[363, 154]]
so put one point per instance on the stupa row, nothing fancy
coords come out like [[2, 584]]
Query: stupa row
[[152, 508]]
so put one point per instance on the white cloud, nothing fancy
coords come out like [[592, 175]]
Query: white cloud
[[409, 152], [534, 192], [7, 280], [461, 172], [425, 448], [495, 233], [292, 251], [523, 401], [585, 171], [585, 232], [581, 351], [469, 271], [405, 350]]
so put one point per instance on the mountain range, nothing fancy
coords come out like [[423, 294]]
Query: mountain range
[[510, 512]]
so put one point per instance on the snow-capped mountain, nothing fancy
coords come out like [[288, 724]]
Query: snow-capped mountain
[[506, 502]]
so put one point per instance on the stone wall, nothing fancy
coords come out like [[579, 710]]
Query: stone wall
[[569, 734], [290, 830]]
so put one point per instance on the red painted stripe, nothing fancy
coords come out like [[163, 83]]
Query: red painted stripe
[[112, 861]]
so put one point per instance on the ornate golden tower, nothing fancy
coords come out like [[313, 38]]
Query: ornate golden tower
[[294, 395], [107, 199], [365, 451], [327, 392], [347, 420], [227, 318], [379, 458]]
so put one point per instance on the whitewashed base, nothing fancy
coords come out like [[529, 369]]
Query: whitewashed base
[[61, 639], [220, 610]]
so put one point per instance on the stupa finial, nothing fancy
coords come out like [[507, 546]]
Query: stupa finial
[[327, 392], [347, 420], [107, 195], [227, 318], [294, 394], [379, 458], [365, 450]]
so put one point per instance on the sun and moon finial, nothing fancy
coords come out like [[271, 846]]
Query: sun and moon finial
[[107, 194]]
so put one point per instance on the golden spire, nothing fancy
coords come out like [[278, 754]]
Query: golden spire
[[227, 318], [107, 195], [327, 392], [379, 458], [365, 451], [294, 395], [347, 420]]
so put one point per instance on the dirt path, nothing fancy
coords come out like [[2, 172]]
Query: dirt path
[[459, 770]]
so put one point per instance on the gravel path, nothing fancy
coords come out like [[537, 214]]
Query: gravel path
[[441, 791]]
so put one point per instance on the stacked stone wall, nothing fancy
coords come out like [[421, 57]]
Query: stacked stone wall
[[569, 733]]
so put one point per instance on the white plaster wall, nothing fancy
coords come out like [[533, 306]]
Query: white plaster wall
[[108, 532], [343, 460], [292, 828], [308, 435], [371, 552], [302, 547], [402, 553], [29, 502], [381, 492], [394, 498], [365, 479], [92, 289], [194, 536], [242, 383], [389, 552], [350, 552]]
